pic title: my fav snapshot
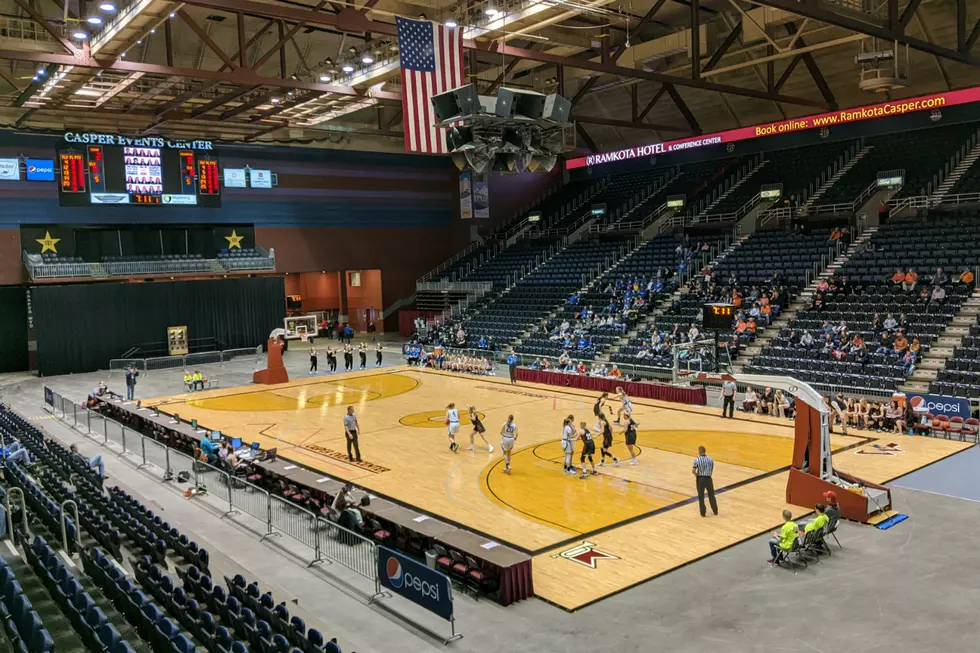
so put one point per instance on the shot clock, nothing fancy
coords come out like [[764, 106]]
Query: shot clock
[[717, 317]]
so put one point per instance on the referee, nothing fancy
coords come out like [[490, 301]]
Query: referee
[[702, 470], [350, 432], [728, 389]]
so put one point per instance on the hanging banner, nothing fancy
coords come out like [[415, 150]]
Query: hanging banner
[[481, 198], [466, 195]]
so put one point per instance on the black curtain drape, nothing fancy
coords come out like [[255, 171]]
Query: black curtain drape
[[80, 327], [13, 329]]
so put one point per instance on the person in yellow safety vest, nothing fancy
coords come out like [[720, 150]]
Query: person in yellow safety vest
[[198, 380], [188, 380]]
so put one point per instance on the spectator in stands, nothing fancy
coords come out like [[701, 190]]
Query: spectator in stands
[[17, 453], [966, 276], [885, 343], [615, 372], [914, 348], [693, 334], [898, 278], [911, 278], [188, 381], [938, 295], [198, 380], [890, 323], [751, 401], [823, 286], [940, 277], [783, 539], [908, 363], [95, 462], [883, 211], [900, 345], [581, 368]]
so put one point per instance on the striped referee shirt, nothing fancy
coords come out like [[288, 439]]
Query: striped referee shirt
[[704, 465]]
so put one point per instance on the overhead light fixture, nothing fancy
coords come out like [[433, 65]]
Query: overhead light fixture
[[347, 68], [139, 42], [275, 100], [123, 55], [451, 23], [368, 59], [93, 20], [324, 78], [107, 6], [153, 31], [40, 71], [289, 93], [172, 15], [81, 36], [490, 11], [34, 78]]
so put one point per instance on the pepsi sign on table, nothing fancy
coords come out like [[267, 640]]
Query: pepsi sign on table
[[414, 581]]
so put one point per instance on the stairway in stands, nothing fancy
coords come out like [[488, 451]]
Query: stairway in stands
[[802, 301]]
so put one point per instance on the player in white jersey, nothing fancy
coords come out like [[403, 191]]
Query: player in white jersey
[[508, 438], [588, 449], [626, 404], [452, 421], [568, 443]]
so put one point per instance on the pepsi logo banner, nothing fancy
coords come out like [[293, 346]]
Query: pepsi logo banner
[[40, 169], [414, 581], [941, 404]]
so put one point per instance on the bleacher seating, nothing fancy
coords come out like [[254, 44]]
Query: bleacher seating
[[921, 153], [796, 169], [540, 291], [865, 296], [604, 299]]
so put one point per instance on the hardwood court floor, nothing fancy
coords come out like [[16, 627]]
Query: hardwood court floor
[[643, 515]]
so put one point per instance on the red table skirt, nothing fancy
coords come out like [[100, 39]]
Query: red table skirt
[[515, 583], [693, 396]]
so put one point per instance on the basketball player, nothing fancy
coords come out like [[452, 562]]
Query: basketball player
[[626, 404], [607, 440], [377, 355], [313, 360], [478, 429], [588, 449], [348, 358], [362, 352], [332, 359], [567, 443], [597, 409], [508, 437], [631, 439], [452, 421]]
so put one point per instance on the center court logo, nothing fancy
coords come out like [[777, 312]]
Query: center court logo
[[399, 578]]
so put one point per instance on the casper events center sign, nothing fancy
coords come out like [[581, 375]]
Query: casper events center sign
[[93, 138], [898, 107]]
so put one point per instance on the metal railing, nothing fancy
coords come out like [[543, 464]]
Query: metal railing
[[927, 201], [445, 264], [38, 268], [460, 286], [327, 540], [187, 360]]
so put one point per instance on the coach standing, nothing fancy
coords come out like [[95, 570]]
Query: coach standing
[[131, 374], [728, 389], [702, 470], [350, 431], [512, 367]]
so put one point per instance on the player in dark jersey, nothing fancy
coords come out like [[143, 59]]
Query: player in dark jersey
[[597, 409], [478, 429], [588, 450], [332, 359], [631, 439], [377, 354], [607, 440], [362, 352]]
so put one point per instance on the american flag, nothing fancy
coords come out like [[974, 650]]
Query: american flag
[[432, 63]]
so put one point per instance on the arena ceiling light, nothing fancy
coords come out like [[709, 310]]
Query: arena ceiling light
[[107, 6], [451, 23], [80, 35], [324, 78], [367, 59], [93, 20], [347, 68]]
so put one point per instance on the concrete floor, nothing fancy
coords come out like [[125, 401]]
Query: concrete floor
[[915, 587]]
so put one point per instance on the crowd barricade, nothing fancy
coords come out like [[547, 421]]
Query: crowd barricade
[[326, 540]]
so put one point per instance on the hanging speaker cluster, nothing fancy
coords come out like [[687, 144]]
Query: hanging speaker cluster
[[515, 131]]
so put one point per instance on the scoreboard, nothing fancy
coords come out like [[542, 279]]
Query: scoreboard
[[135, 174]]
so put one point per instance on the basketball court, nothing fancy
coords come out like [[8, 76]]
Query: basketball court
[[589, 538]]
